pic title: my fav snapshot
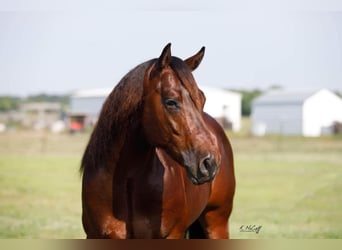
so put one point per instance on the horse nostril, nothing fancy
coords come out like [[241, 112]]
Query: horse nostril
[[206, 165]]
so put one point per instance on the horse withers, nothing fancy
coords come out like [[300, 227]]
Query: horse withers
[[156, 165]]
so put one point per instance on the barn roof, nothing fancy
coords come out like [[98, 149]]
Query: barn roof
[[284, 96], [88, 93], [218, 91], [219, 95], [104, 92]]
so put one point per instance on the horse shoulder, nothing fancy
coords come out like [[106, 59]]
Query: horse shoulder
[[183, 201], [223, 186], [98, 220]]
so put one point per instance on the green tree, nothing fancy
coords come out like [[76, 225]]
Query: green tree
[[8, 103], [64, 99], [247, 98]]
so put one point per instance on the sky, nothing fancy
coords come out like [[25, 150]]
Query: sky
[[57, 47]]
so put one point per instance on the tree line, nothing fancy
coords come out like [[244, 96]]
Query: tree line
[[247, 98], [11, 103], [8, 103]]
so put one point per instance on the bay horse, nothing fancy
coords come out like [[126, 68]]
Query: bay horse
[[156, 165]]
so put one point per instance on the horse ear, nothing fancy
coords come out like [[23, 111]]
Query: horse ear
[[195, 60], [165, 57]]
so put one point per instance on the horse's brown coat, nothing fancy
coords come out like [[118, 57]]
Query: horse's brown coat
[[156, 165]]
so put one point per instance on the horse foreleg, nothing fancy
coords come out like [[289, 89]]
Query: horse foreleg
[[215, 224]]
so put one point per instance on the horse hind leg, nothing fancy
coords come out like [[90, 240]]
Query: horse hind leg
[[195, 231]]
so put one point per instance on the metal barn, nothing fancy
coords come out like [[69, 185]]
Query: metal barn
[[225, 106], [294, 112], [85, 107]]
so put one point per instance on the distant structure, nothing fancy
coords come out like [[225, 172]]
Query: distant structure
[[224, 106], [85, 107], [40, 115], [294, 112]]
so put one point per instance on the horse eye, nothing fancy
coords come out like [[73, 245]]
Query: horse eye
[[171, 104]]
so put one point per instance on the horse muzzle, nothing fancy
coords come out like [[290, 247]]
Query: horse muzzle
[[202, 171]]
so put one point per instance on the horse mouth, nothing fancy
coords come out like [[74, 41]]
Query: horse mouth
[[199, 179], [200, 169]]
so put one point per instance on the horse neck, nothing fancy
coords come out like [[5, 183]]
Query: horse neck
[[136, 139], [136, 152], [109, 143]]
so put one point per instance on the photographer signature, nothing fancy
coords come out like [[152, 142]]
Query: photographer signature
[[250, 228]]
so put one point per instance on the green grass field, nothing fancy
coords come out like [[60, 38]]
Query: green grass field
[[289, 186], [40, 185]]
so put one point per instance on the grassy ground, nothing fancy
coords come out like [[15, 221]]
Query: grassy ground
[[289, 186], [40, 185]]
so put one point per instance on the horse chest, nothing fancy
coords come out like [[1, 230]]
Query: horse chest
[[183, 201], [158, 202]]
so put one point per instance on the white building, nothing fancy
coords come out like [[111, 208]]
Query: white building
[[40, 115], [307, 113], [225, 106]]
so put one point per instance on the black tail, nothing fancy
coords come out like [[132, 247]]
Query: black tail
[[195, 231]]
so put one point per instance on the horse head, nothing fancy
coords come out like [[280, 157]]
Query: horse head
[[173, 117]]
